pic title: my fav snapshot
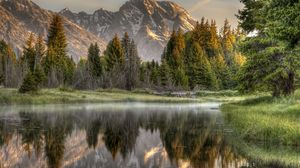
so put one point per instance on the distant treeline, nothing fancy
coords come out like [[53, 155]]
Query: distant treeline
[[200, 59]]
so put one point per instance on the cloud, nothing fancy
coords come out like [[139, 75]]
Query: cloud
[[199, 4]]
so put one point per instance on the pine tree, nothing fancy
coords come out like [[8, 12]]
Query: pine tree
[[181, 78], [40, 50], [199, 68], [29, 84], [39, 75], [94, 64], [273, 54], [132, 62], [199, 33], [164, 74], [69, 69], [154, 74], [143, 72], [222, 71], [114, 54], [214, 45], [7, 65], [32, 57], [227, 43], [29, 53], [57, 65], [174, 57], [175, 48]]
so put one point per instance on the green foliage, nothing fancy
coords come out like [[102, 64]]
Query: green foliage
[[56, 59], [32, 80], [32, 57], [164, 73], [174, 57], [267, 68], [29, 84], [94, 64], [114, 54], [181, 79], [175, 50], [204, 57], [273, 55], [251, 17], [222, 71], [39, 75], [154, 74], [199, 69], [265, 120], [132, 62], [7, 64], [29, 53]]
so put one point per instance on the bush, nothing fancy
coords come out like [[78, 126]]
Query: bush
[[29, 84], [66, 89]]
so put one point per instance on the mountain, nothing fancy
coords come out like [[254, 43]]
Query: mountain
[[18, 18], [149, 22]]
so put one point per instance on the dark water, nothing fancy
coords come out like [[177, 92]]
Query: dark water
[[115, 135]]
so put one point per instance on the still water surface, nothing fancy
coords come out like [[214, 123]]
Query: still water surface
[[125, 135]]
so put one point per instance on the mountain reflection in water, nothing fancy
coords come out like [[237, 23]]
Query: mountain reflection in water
[[133, 136]]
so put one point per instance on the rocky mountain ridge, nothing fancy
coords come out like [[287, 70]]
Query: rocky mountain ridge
[[19, 18], [149, 22]]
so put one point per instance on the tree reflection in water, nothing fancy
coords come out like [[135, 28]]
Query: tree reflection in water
[[185, 135]]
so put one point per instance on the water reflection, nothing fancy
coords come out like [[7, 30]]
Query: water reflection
[[124, 137]]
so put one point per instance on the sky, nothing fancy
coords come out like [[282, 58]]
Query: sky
[[211, 9]]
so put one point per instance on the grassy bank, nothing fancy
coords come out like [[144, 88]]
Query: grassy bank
[[61, 96], [260, 155], [268, 128], [266, 119]]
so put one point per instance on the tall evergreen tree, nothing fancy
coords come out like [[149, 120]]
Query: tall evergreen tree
[[222, 71], [7, 65], [57, 65], [164, 74], [199, 33], [273, 54], [199, 68], [174, 56], [29, 53], [40, 51], [34, 73], [94, 64], [132, 62], [213, 43], [154, 74], [227, 42], [114, 54]]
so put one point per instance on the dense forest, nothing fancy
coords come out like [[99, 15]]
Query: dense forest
[[203, 59]]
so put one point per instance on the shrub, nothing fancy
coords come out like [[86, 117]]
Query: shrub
[[29, 84]]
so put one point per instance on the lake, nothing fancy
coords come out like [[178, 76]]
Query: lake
[[125, 135]]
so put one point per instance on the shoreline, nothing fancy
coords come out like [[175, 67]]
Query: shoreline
[[58, 96]]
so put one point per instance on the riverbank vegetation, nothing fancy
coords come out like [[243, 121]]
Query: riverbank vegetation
[[266, 119], [267, 128], [69, 95]]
